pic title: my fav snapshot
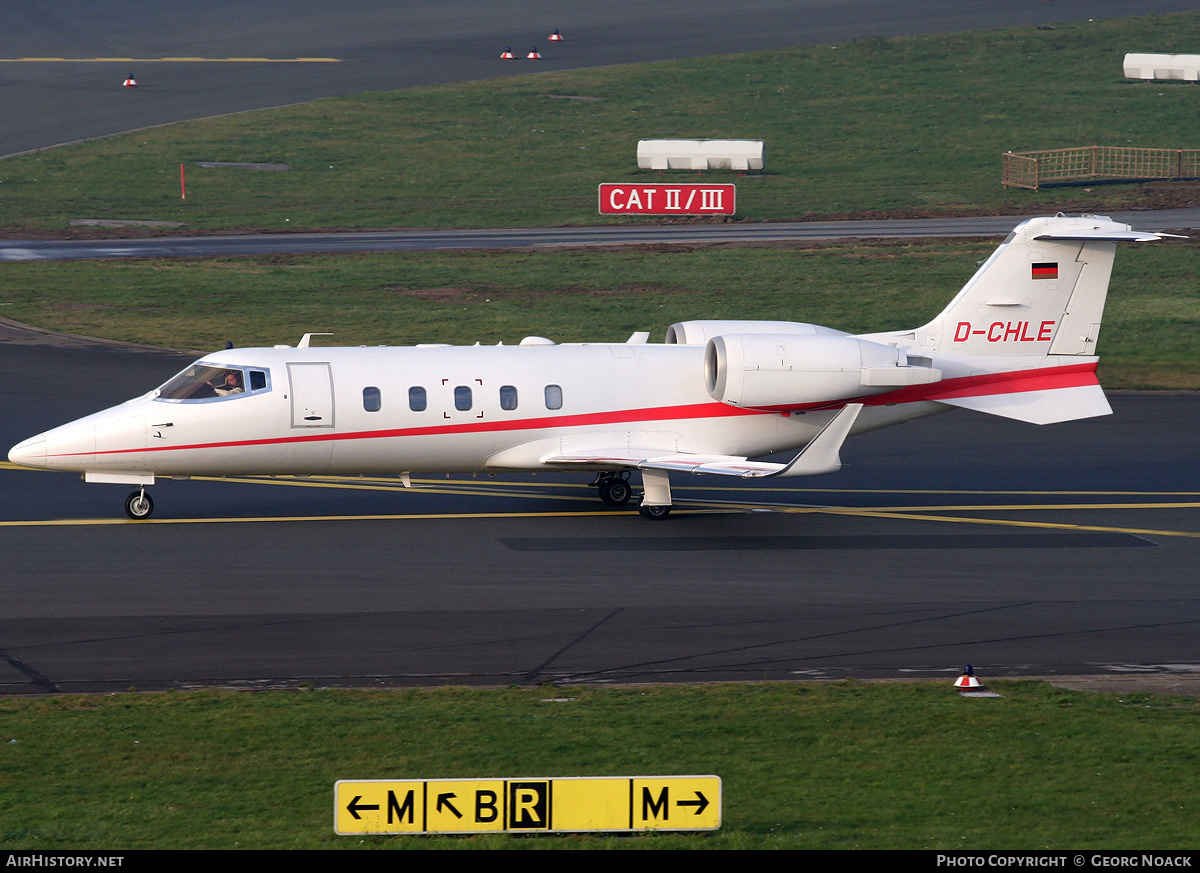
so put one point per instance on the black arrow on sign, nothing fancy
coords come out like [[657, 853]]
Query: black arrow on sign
[[444, 799], [702, 803], [355, 806]]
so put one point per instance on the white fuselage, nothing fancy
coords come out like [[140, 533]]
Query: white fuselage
[[359, 410]]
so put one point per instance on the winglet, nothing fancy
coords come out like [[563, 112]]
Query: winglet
[[821, 455]]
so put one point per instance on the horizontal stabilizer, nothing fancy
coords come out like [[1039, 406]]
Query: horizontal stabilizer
[[1106, 234], [1048, 406]]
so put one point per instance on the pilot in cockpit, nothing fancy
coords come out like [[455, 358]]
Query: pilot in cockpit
[[231, 385]]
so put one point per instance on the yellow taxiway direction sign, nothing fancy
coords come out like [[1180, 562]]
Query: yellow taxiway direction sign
[[545, 805]]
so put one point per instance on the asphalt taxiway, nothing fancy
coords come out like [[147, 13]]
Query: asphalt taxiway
[[553, 237], [1024, 550]]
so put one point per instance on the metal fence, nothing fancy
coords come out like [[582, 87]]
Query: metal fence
[[1059, 166]]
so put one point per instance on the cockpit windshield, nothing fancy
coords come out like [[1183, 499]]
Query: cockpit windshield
[[205, 381]]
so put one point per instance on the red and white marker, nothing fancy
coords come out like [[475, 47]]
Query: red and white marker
[[507, 55], [130, 82], [556, 36], [533, 55], [967, 681]]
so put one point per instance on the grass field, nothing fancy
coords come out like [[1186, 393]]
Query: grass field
[[874, 126], [846, 765]]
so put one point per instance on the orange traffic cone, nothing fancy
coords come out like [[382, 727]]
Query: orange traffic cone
[[967, 681], [533, 55], [556, 36], [130, 82], [507, 55]]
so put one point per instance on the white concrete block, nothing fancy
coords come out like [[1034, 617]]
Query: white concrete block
[[700, 154]]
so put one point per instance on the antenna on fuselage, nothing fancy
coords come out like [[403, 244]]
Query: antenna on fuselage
[[304, 340]]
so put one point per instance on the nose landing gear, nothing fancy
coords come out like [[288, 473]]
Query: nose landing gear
[[138, 505]]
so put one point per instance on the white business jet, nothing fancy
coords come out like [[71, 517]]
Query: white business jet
[[1019, 340]]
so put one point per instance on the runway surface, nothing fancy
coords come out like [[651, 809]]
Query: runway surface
[[62, 62], [1024, 550]]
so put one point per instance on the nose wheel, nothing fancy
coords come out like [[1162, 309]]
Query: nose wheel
[[138, 505]]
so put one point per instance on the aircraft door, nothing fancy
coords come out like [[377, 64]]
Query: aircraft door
[[312, 394]]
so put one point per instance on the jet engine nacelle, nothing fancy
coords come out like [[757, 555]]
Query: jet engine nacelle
[[697, 333], [768, 371]]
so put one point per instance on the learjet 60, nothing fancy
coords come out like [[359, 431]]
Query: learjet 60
[[1019, 341]]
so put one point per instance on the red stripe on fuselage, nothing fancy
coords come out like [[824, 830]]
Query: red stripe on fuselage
[[1017, 382], [621, 416], [1072, 376]]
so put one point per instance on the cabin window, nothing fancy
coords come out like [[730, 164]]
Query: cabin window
[[416, 399], [462, 398], [371, 399], [554, 397], [508, 397], [258, 380]]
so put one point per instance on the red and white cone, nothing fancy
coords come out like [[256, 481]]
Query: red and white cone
[[967, 681], [507, 55], [129, 82], [556, 36], [533, 55]]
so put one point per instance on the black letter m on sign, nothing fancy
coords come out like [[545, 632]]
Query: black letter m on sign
[[398, 811], [651, 807]]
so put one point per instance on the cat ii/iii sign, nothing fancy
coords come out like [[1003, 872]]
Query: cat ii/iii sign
[[656, 199]]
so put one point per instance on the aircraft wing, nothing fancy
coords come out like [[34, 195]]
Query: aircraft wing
[[680, 462], [821, 455]]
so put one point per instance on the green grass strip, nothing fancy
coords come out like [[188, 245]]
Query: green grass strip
[[846, 765]]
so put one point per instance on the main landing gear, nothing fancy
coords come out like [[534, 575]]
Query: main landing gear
[[654, 513], [138, 505], [615, 490]]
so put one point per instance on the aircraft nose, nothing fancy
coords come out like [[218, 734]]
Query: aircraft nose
[[30, 453]]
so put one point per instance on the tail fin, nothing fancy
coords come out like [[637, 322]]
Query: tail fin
[[1019, 340], [1041, 293]]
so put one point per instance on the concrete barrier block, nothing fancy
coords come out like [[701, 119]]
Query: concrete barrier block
[[1185, 68], [700, 154]]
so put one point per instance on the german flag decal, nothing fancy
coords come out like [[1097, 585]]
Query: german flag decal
[[1045, 271]]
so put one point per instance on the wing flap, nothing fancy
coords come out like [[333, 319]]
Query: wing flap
[[678, 462], [821, 455]]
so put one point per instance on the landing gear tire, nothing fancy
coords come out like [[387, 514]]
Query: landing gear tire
[[138, 505], [615, 492], [654, 513]]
